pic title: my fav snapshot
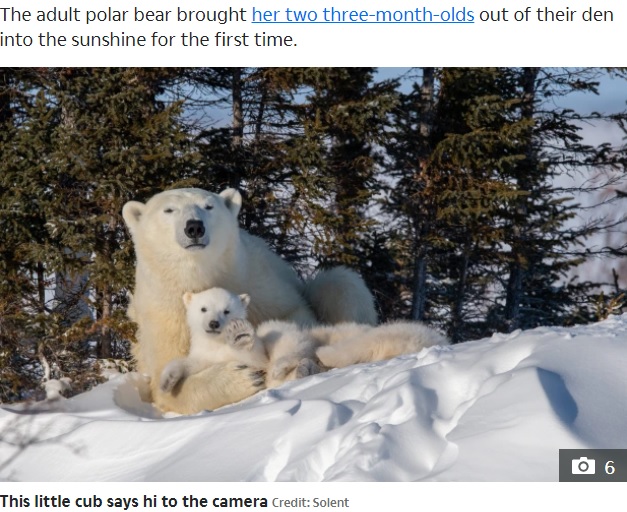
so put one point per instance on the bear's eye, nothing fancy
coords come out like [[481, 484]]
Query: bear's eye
[[208, 207], [226, 311], [168, 210], [204, 310]]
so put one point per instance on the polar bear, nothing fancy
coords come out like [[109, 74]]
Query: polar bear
[[303, 351], [279, 351], [295, 351], [349, 343], [290, 347], [210, 316], [188, 240]]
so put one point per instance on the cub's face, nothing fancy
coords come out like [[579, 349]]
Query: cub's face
[[184, 221], [211, 310]]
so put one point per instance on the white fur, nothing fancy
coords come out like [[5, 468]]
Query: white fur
[[220, 333], [340, 295], [283, 350], [295, 351], [210, 317], [291, 351], [224, 256], [346, 344]]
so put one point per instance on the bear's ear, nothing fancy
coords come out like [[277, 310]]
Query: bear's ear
[[187, 298], [245, 298], [232, 199], [132, 212]]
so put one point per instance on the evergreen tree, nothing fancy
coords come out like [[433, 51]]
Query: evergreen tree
[[448, 199], [451, 152], [477, 165], [544, 244], [303, 141], [22, 291], [90, 140]]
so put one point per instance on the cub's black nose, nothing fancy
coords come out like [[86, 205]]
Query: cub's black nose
[[214, 324], [194, 229]]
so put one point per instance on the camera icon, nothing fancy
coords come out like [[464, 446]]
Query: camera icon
[[583, 466]]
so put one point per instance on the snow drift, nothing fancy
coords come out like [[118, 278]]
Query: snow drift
[[497, 409]]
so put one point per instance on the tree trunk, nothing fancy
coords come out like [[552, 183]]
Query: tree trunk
[[105, 351], [457, 309], [419, 303], [425, 127], [41, 287], [6, 112], [237, 125], [520, 247], [238, 108], [106, 297]]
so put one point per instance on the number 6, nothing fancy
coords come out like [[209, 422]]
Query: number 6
[[609, 469]]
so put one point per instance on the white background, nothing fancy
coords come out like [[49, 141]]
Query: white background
[[362, 496], [511, 43]]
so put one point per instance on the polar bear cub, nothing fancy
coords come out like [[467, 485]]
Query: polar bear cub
[[210, 316], [280, 351], [220, 332], [291, 349], [349, 343]]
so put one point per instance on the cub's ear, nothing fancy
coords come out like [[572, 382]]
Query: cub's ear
[[232, 199], [187, 298], [245, 298], [132, 213]]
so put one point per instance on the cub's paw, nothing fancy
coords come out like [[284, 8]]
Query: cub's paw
[[283, 366], [171, 375], [306, 367], [240, 334], [257, 377]]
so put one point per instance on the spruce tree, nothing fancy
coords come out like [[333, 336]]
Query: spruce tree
[[306, 156], [479, 194], [544, 241], [90, 140]]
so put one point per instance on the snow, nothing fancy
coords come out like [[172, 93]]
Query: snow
[[496, 409]]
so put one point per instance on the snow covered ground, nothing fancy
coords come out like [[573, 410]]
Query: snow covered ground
[[496, 409]]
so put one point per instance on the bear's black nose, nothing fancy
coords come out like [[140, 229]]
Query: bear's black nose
[[214, 324], [194, 229]]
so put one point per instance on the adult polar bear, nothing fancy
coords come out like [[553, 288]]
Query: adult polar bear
[[188, 240]]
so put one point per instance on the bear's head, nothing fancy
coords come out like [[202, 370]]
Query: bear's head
[[186, 221], [209, 311]]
